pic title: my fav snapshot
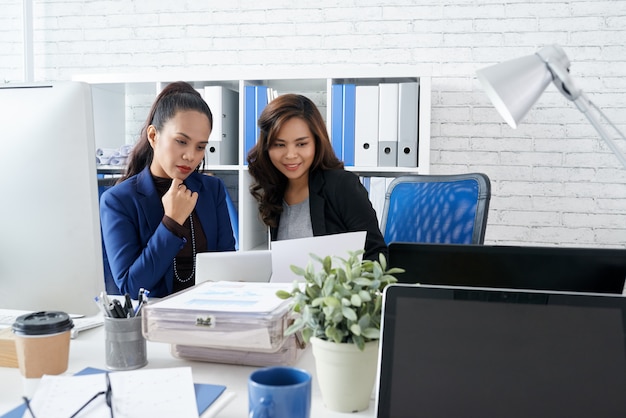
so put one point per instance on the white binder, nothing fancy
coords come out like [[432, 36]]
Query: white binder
[[388, 124], [407, 124], [224, 105], [366, 127]]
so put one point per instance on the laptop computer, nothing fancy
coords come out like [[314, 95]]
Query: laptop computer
[[597, 270], [273, 265], [244, 266], [479, 352]]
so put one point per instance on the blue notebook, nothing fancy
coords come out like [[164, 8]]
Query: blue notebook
[[206, 394]]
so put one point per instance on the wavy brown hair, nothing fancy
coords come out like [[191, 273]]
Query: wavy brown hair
[[270, 184], [175, 97]]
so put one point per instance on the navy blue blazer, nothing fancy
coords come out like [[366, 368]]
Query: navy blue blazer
[[139, 247], [339, 203]]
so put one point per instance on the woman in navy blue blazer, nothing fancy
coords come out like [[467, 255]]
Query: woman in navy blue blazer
[[163, 211]]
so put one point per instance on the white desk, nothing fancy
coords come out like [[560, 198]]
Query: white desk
[[87, 350]]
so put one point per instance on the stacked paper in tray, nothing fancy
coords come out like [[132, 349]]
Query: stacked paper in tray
[[225, 322], [287, 354]]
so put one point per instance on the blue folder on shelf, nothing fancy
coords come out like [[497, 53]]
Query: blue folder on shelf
[[336, 123], [250, 121], [206, 394], [349, 109]]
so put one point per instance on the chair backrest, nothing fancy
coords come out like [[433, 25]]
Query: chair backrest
[[234, 218], [449, 209]]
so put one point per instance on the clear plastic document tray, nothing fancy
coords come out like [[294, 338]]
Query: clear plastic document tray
[[236, 315]]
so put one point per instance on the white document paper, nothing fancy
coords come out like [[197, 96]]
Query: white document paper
[[138, 393], [296, 252], [234, 297]]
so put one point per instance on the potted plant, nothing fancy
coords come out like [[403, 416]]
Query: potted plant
[[339, 312]]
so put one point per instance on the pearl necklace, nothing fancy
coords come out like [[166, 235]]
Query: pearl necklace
[[193, 249]]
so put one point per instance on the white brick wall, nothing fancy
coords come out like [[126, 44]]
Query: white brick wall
[[554, 181]]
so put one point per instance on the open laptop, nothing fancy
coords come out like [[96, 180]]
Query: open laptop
[[273, 265], [479, 352], [244, 266], [597, 270]]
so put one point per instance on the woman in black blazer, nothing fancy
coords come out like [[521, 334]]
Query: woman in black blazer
[[300, 185]]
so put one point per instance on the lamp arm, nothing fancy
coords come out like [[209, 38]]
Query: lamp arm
[[584, 105], [558, 64]]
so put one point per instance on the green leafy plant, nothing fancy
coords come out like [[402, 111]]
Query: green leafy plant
[[341, 304]]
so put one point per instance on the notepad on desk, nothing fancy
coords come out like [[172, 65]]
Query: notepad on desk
[[81, 322], [148, 392]]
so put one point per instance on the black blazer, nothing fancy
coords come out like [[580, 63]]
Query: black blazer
[[339, 203]]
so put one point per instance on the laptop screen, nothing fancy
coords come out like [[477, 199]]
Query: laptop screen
[[597, 270], [501, 353]]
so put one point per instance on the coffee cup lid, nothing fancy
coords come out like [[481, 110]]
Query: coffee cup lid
[[43, 322]]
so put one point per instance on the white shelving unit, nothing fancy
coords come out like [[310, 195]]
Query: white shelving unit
[[122, 102]]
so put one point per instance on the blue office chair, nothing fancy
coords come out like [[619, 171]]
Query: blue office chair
[[450, 209], [234, 218]]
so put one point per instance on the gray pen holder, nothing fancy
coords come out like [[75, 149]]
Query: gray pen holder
[[125, 345]]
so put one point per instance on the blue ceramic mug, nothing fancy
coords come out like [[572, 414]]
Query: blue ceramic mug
[[279, 392]]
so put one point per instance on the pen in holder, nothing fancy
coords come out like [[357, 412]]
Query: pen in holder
[[125, 345]]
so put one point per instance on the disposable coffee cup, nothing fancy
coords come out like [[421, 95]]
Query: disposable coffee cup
[[125, 345], [42, 343]]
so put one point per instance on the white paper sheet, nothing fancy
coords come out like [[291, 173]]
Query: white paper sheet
[[234, 297], [138, 393], [296, 252]]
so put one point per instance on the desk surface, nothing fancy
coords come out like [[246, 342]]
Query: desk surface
[[87, 350]]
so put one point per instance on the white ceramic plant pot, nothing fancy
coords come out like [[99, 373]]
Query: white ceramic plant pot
[[345, 374]]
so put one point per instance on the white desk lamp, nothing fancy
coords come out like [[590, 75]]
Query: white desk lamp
[[514, 86]]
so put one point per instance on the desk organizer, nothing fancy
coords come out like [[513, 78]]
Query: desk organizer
[[224, 315]]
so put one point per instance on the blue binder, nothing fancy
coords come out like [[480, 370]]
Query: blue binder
[[249, 121], [336, 119], [261, 102], [349, 111]]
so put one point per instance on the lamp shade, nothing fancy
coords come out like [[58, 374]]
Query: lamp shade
[[514, 86]]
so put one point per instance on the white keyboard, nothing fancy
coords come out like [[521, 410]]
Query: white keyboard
[[81, 323]]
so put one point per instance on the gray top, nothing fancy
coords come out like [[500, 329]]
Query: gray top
[[295, 221]]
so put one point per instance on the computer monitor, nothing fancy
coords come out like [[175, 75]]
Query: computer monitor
[[575, 269], [50, 243]]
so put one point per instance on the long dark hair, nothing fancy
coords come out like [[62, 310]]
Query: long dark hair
[[175, 97], [270, 184]]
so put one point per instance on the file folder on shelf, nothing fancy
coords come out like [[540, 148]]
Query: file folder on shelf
[[249, 120], [336, 119], [388, 124], [349, 98], [407, 124], [255, 100], [224, 105], [261, 102], [366, 127]]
